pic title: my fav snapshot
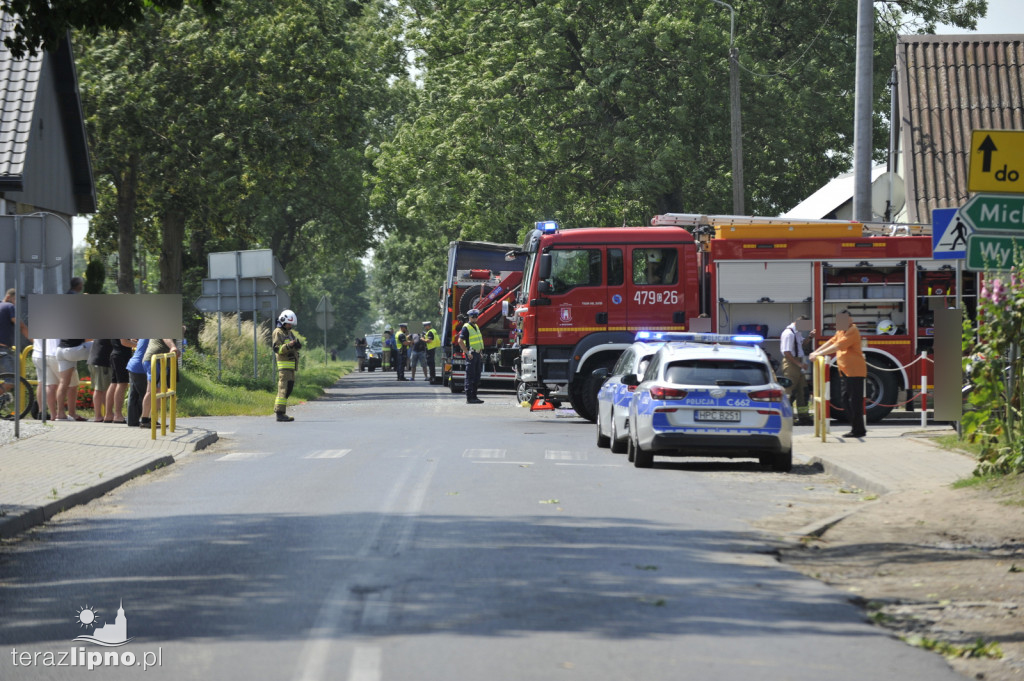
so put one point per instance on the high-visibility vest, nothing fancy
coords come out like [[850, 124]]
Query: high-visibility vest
[[433, 339], [476, 339]]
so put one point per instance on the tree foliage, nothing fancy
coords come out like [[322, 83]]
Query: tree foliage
[[245, 131], [40, 24]]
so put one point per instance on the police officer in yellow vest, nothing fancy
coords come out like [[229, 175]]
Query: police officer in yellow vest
[[433, 339], [286, 349], [472, 342]]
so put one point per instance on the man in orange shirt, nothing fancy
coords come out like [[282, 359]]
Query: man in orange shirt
[[853, 369]]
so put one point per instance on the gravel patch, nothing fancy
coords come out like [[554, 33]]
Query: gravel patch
[[26, 428]]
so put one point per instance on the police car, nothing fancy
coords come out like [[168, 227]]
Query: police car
[[614, 396], [711, 395]]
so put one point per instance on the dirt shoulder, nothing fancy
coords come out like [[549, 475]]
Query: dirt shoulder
[[943, 569]]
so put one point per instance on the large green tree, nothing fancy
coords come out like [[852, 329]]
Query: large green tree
[[608, 113], [247, 131]]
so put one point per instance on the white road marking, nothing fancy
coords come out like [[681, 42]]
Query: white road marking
[[327, 454], [365, 664], [555, 455], [484, 454], [518, 463], [244, 456]]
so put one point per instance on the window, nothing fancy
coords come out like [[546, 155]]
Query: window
[[615, 267], [655, 266], [625, 362], [570, 269], [722, 372]]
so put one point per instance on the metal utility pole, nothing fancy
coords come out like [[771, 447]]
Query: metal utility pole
[[735, 124], [863, 96]]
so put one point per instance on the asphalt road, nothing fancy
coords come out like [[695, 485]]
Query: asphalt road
[[393, 532]]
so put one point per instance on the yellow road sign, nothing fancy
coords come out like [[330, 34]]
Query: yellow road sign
[[997, 161]]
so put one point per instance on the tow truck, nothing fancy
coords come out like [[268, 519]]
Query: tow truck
[[587, 291]]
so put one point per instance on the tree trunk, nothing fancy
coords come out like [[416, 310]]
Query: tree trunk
[[171, 249], [127, 200]]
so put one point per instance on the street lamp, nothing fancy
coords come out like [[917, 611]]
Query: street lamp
[[736, 128]]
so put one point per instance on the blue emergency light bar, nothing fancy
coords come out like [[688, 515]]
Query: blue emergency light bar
[[547, 226], [655, 336]]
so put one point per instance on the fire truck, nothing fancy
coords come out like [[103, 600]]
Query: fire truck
[[481, 275], [586, 292]]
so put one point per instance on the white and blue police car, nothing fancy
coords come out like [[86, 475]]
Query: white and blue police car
[[710, 395], [614, 396]]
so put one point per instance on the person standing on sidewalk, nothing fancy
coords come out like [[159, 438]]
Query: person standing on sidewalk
[[471, 340], [794, 365], [433, 339], [853, 369], [138, 380], [8, 342], [402, 343], [286, 347], [100, 371]]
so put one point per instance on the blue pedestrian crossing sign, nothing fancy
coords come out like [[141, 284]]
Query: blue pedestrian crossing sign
[[949, 234]]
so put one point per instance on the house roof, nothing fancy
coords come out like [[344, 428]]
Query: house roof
[[948, 86], [19, 90]]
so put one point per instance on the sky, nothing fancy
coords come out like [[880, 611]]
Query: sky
[[1004, 16]]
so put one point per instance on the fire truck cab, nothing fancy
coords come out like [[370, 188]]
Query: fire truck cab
[[586, 292]]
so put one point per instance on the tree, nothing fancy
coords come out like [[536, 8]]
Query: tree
[[39, 24], [216, 134]]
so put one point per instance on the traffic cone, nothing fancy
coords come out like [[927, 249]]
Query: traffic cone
[[540, 404]]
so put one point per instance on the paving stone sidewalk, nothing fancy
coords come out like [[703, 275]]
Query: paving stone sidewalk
[[71, 463]]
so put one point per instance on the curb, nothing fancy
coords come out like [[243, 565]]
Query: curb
[[11, 526]]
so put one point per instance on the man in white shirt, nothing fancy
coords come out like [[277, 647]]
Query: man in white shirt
[[795, 363]]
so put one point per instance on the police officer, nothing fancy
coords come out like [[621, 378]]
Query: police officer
[[433, 339], [402, 343], [286, 348], [471, 340]]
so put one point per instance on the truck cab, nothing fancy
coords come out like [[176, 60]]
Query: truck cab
[[585, 294]]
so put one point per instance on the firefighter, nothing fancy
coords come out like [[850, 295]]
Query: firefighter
[[388, 349], [433, 339], [471, 340], [286, 348]]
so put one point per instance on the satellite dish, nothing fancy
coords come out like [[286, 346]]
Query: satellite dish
[[880, 194]]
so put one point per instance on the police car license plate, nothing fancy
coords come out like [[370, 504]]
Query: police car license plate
[[717, 415]]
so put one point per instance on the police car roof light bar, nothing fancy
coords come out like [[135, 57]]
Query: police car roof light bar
[[666, 336]]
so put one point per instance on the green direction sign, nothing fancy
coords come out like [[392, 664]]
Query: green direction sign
[[994, 252], [994, 213]]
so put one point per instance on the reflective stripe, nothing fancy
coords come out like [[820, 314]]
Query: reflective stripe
[[476, 339], [286, 364]]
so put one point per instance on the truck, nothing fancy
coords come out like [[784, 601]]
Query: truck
[[484, 276], [587, 291]]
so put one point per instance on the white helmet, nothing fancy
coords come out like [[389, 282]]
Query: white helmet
[[288, 317], [885, 327]]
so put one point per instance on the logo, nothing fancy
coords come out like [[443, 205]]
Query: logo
[[109, 634], [617, 299], [565, 314]]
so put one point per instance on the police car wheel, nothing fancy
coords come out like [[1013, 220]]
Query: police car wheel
[[642, 458], [783, 462], [602, 440], [630, 450], [618, 444]]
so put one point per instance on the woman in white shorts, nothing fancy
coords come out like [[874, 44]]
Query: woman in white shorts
[[52, 373], [70, 351]]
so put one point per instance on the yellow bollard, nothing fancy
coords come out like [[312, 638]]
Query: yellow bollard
[[166, 377]]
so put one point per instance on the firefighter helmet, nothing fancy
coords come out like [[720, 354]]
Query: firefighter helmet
[[288, 317], [885, 328]]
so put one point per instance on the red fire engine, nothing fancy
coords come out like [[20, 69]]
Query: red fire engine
[[586, 292]]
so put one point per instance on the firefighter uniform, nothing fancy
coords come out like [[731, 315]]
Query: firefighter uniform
[[472, 341], [433, 339], [286, 350]]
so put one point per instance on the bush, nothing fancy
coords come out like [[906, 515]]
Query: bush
[[996, 367]]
